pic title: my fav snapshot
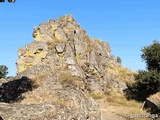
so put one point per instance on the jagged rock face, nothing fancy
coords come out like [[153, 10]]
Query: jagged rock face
[[65, 64], [62, 44], [58, 62]]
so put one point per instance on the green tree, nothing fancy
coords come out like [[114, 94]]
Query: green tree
[[147, 82], [3, 71], [119, 60], [151, 55]]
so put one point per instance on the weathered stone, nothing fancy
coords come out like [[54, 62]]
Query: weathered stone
[[152, 105], [21, 51], [60, 34], [60, 47], [33, 54], [118, 85], [65, 104]]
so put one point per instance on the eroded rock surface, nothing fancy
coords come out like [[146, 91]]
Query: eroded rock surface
[[63, 104], [63, 44], [65, 64], [152, 104]]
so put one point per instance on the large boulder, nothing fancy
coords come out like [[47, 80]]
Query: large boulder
[[152, 104], [61, 104]]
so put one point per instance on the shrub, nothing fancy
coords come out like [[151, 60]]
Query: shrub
[[119, 60], [3, 71], [151, 55], [147, 81]]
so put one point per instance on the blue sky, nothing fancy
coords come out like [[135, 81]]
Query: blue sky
[[127, 25]]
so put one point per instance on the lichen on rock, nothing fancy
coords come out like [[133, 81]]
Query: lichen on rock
[[65, 42]]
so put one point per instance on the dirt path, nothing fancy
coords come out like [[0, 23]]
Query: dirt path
[[108, 112]]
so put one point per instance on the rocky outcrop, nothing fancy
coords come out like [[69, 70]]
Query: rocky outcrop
[[62, 44], [64, 64], [53, 63]]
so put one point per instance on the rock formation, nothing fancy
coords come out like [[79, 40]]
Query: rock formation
[[64, 46], [64, 64]]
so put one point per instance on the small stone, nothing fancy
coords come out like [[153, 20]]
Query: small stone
[[60, 47]]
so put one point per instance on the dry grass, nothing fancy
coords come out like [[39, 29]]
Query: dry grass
[[117, 104], [120, 73], [98, 41], [156, 96], [95, 95], [51, 44], [89, 48], [42, 95], [36, 97], [67, 79]]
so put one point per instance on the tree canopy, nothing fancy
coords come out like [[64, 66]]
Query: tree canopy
[[151, 55], [147, 82], [11, 1]]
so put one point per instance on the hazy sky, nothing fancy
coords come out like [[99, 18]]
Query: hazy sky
[[127, 25]]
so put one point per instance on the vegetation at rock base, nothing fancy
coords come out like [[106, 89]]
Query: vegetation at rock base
[[3, 71], [116, 104], [119, 73], [147, 81]]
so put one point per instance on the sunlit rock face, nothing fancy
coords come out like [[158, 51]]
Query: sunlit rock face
[[62, 44], [64, 68]]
